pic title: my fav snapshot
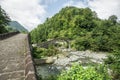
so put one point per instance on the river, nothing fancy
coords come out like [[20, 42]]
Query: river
[[65, 61]]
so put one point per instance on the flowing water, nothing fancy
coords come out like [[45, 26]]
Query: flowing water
[[47, 70]]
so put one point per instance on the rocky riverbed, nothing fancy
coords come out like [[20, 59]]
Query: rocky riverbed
[[55, 64]]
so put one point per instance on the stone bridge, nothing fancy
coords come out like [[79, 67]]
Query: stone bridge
[[16, 62], [53, 42]]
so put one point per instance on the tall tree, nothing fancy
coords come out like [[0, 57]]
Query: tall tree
[[4, 20], [113, 19]]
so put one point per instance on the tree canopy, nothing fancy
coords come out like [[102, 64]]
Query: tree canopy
[[4, 20], [82, 27]]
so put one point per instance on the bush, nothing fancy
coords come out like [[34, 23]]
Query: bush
[[51, 78], [81, 43], [113, 62], [77, 72], [43, 52], [38, 51]]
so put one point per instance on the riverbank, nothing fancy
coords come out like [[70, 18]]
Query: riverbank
[[65, 60]]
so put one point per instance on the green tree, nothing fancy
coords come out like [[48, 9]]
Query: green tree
[[4, 20], [113, 19], [82, 27], [113, 62]]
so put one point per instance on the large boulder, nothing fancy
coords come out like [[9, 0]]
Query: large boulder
[[48, 60]]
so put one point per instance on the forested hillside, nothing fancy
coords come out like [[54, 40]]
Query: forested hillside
[[17, 26], [85, 31], [83, 28]]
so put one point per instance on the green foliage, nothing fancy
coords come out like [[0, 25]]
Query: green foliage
[[77, 72], [17, 26], [50, 78], [113, 19], [82, 27], [4, 20], [9, 29], [113, 62], [64, 24], [43, 52]]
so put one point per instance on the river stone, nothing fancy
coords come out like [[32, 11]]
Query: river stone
[[62, 61], [46, 60], [73, 58], [61, 56], [34, 45], [49, 60], [96, 61], [55, 57]]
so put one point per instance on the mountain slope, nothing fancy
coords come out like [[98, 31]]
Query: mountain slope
[[17, 26], [82, 27]]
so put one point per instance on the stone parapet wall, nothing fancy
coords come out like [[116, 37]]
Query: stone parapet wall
[[30, 71], [29, 68], [7, 35]]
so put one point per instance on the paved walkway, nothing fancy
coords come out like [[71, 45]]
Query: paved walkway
[[12, 52]]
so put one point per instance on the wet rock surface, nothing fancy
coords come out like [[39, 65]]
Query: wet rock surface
[[81, 57]]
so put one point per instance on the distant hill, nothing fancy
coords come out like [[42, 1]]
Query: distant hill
[[17, 26]]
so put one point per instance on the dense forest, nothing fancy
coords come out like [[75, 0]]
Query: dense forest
[[83, 28], [85, 31]]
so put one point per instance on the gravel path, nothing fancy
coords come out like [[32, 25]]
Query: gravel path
[[12, 57]]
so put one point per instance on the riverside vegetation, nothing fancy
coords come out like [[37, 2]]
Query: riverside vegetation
[[86, 32]]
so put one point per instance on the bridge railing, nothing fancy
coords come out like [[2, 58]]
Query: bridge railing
[[30, 71], [7, 35]]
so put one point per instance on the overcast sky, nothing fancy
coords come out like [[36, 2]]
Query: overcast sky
[[30, 13]]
